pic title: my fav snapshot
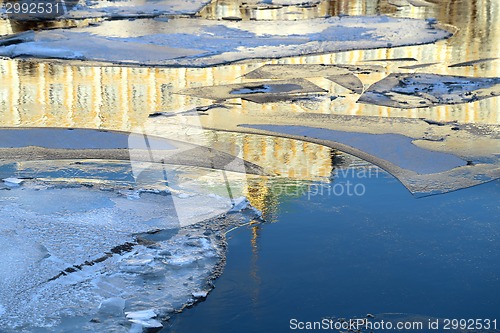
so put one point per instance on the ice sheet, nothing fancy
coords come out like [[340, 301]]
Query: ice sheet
[[340, 74], [91, 260], [50, 144], [269, 90], [421, 171], [195, 42], [395, 148]]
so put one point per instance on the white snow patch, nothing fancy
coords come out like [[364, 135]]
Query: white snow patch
[[144, 318], [141, 315], [200, 294], [11, 181], [150, 323]]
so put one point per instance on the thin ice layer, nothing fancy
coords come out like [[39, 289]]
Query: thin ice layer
[[279, 89], [340, 74], [420, 170], [194, 42], [394, 148]]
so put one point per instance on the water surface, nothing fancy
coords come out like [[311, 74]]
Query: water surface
[[340, 256]]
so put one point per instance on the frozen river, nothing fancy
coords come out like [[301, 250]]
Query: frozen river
[[365, 132]]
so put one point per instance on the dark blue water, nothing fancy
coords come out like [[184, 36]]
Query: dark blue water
[[346, 256]]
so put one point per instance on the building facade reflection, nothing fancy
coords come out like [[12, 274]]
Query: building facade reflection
[[43, 94], [48, 94]]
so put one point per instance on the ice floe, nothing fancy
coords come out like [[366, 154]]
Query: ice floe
[[421, 170], [394, 148], [144, 318], [49, 144], [473, 62], [418, 66], [425, 90], [195, 42], [80, 258], [239, 204], [12, 181], [258, 92], [340, 74], [415, 3]]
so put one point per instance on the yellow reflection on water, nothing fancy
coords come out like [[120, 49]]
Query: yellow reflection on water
[[44, 94], [253, 10]]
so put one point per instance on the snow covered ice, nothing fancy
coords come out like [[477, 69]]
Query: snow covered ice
[[197, 42], [426, 90], [103, 261]]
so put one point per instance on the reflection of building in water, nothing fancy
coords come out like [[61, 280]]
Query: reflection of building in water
[[8, 27], [264, 10], [279, 156], [5, 28], [291, 159], [43, 94]]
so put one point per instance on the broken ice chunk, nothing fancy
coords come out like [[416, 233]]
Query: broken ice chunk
[[294, 71], [472, 62], [144, 318], [348, 81], [27, 36], [239, 204], [420, 3], [424, 90], [11, 181], [417, 66], [112, 306], [143, 314], [415, 3], [150, 323], [340, 74], [269, 91], [200, 294]]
